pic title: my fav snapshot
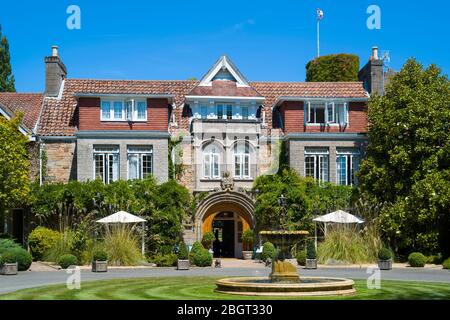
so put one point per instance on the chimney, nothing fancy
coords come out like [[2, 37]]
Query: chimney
[[55, 73], [372, 74]]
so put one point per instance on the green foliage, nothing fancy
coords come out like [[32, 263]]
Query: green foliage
[[301, 257], [208, 239], [333, 68], [310, 250], [446, 264], [165, 260], [122, 246], [100, 255], [63, 245], [348, 245], [7, 244], [7, 257], [417, 259], [268, 252], [196, 247], [407, 167], [202, 258], [41, 240], [14, 162], [67, 260], [384, 254], [183, 253], [6, 76], [248, 237], [19, 255]]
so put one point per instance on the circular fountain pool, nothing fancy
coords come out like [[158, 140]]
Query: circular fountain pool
[[306, 286]]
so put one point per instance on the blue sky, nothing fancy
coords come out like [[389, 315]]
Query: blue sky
[[268, 41]]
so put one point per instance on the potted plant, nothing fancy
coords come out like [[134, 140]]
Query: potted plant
[[100, 261], [311, 261], [208, 240], [384, 259], [247, 239], [183, 257], [8, 264]]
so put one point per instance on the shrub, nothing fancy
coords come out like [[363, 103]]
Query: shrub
[[269, 251], [63, 245], [67, 260], [19, 255], [100, 255], [446, 264], [417, 259], [183, 251], [311, 250], [333, 67], [208, 239], [435, 259], [384, 254], [196, 247], [165, 260], [301, 258], [202, 258], [41, 240], [122, 246], [7, 244], [247, 238]]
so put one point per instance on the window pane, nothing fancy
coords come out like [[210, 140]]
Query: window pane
[[206, 166], [141, 110], [204, 111], [246, 165], [323, 169], [320, 115], [146, 165], [133, 166], [118, 106], [129, 110], [244, 112], [219, 111], [216, 165], [309, 166], [330, 112], [237, 165], [341, 169], [113, 167], [106, 110], [229, 112], [99, 167]]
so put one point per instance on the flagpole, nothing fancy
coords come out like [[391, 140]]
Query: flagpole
[[318, 38]]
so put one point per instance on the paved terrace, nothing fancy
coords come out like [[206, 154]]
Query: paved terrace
[[43, 275]]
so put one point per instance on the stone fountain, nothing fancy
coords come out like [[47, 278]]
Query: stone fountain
[[284, 280]]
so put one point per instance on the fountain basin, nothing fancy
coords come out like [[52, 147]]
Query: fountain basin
[[307, 286]]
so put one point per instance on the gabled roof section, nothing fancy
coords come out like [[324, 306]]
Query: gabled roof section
[[224, 69], [30, 104]]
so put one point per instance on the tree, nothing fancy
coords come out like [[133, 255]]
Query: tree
[[333, 68], [408, 159], [6, 76], [14, 163]]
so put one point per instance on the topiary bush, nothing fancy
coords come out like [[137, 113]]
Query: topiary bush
[[202, 258], [19, 255], [417, 259], [208, 239], [196, 247], [301, 258], [183, 253], [67, 260], [311, 250], [333, 68], [268, 252], [41, 240], [446, 264], [100, 255], [384, 254]]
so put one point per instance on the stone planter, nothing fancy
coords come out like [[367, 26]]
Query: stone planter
[[311, 264], [9, 269], [247, 255], [385, 264], [182, 264], [99, 266]]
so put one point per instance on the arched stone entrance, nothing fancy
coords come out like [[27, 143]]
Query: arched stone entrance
[[228, 213]]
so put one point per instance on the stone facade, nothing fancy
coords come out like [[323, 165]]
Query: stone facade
[[60, 162]]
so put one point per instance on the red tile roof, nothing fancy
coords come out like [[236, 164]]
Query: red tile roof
[[29, 104], [59, 116]]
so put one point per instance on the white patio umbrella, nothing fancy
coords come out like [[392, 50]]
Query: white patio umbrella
[[125, 217], [338, 216]]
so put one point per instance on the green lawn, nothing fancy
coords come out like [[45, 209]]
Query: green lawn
[[201, 288]]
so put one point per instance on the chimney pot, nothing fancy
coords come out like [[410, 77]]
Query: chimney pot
[[54, 51], [375, 53]]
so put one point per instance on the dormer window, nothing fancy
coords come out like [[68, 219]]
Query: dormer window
[[331, 113], [123, 110]]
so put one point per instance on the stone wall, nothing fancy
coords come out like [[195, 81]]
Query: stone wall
[[60, 161]]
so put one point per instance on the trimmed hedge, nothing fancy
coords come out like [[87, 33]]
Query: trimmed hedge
[[100, 255], [8, 244], [333, 68], [301, 258], [446, 264], [41, 240], [19, 255], [67, 260], [268, 252], [384, 254], [417, 259], [202, 258], [183, 253]]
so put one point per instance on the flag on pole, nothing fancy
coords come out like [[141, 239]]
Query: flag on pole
[[319, 14]]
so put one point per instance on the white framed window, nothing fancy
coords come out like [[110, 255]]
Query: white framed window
[[140, 162], [242, 160], [333, 113], [211, 162], [245, 112], [123, 110], [106, 163], [347, 164], [317, 163]]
